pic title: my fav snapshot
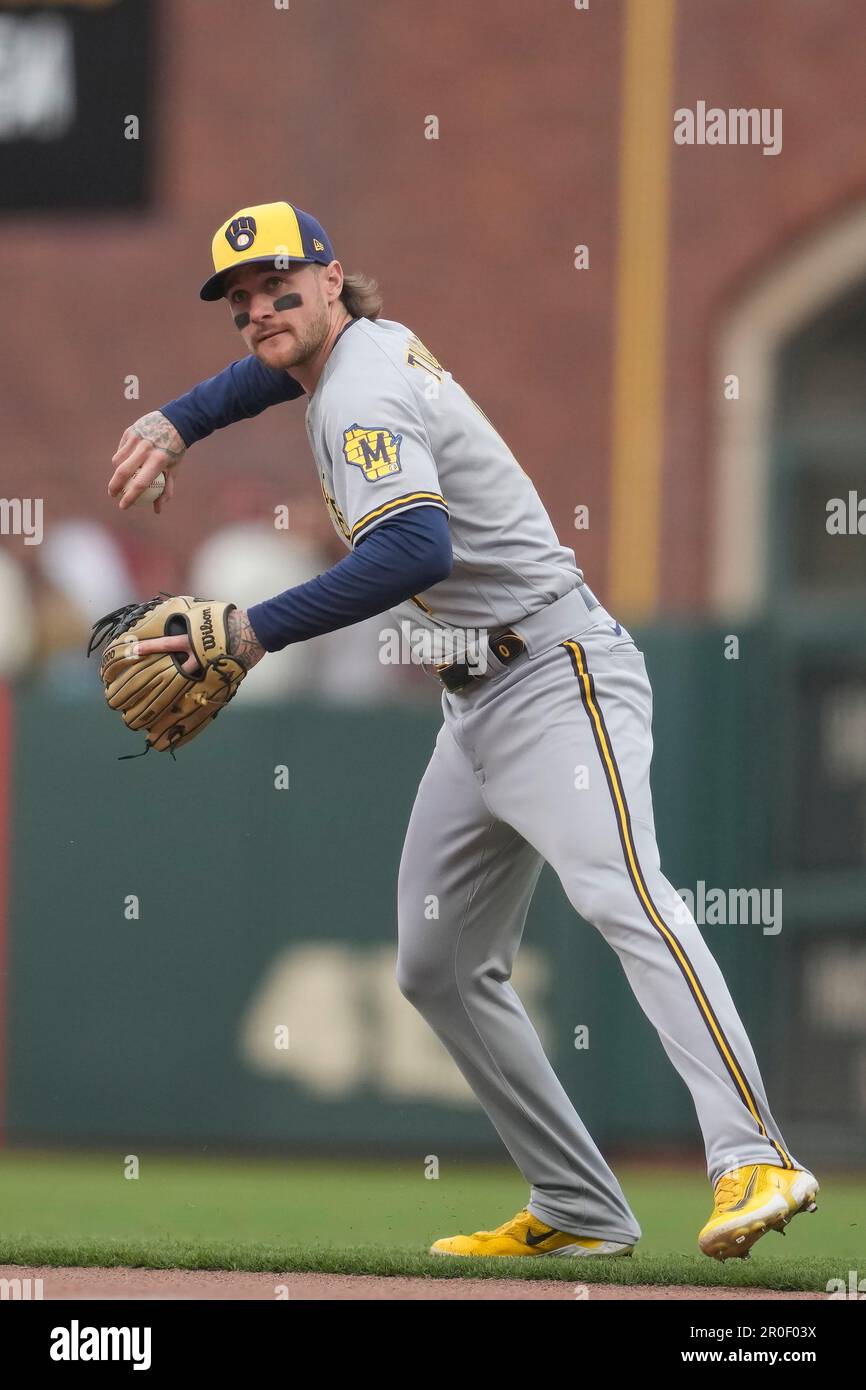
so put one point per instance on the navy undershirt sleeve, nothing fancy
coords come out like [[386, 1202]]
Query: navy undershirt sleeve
[[238, 392], [398, 559]]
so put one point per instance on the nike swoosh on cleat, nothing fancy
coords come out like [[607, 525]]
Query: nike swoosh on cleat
[[540, 1239]]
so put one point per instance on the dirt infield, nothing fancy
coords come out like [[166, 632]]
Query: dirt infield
[[98, 1283]]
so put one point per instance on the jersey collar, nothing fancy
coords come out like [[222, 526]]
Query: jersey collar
[[342, 331], [327, 365]]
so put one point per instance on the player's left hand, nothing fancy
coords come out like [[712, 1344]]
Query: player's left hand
[[170, 665], [170, 644], [242, 644]]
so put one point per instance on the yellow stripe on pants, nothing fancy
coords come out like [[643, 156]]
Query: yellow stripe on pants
[[635, 872]]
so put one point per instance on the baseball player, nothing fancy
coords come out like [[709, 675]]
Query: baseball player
[[545, 747]]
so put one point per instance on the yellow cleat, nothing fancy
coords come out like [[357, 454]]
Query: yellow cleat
[[751, 1201], [524, 1234]]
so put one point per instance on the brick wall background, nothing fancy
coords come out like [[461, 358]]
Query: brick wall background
[[471, 236]]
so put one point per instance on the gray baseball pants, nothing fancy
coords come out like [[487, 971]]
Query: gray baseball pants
[[548, 759]]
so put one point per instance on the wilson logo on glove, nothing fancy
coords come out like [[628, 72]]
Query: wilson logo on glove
[[208, 638], [150, 689]]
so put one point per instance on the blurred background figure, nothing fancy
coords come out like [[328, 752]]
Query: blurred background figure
[[84, 574], [245, 556], [253, 555], [18, 629]]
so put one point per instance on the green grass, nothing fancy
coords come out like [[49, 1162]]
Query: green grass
[[206, 1213]]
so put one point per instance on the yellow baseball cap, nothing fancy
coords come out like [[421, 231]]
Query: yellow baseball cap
[[267, 233]]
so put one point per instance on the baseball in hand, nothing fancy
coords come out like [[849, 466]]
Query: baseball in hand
[[152, 491]]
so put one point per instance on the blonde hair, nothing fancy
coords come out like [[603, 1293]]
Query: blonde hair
[[361, 296]]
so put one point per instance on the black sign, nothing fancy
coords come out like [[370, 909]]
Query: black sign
[[822, 1078], [823, 805], [75, 104]]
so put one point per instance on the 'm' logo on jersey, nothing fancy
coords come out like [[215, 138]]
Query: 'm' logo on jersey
[[241, 233], [375, 451]]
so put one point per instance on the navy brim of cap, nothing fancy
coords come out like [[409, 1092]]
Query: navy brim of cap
[[213, 288]]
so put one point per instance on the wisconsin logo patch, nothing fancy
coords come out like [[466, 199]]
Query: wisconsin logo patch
[[375, 451]]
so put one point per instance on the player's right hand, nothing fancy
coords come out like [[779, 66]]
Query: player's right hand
[[150, 446]]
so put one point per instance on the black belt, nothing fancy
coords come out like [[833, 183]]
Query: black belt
[[505, 645]]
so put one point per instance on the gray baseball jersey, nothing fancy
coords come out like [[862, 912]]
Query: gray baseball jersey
[[390, 430]]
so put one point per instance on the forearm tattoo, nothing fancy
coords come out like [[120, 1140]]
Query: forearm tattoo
[[160, 431], [243, 642]]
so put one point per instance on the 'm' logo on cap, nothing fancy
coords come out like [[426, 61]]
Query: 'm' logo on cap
[[241, 233]]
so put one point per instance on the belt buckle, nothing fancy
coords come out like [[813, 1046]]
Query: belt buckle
[[504, 644], [454, 676]]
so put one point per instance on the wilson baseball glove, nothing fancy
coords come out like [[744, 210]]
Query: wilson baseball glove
[[151, 691]]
